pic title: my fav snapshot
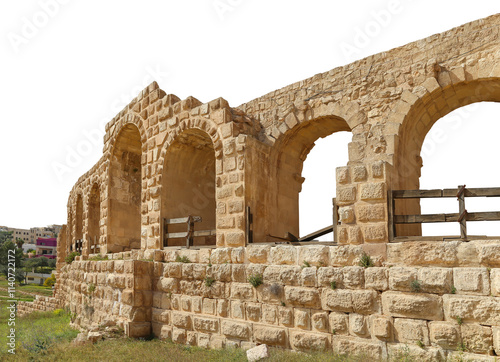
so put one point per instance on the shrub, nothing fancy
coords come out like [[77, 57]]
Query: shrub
[[365, 261], [49, 282], [415, 285], [69, 259], [91, 288], [333, 285], [182, 259], [209, 281], [255, 280], [99, 257], [306, 264], [459, 321]]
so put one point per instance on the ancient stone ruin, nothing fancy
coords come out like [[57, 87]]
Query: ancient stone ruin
[[195, 207]]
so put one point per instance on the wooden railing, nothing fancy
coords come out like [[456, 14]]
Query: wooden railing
[[461, 217], [189, 234]]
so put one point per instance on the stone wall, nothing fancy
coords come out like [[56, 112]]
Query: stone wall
[[311, 297], [165, 158]]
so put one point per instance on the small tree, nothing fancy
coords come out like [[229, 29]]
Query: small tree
[[6, 257], [49, 282]]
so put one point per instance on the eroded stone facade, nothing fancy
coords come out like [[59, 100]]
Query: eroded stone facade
[[168, 158]]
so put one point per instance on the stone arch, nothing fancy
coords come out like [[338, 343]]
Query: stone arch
[[94, 216], [287, 158], [188, 182], [118, 126], [124, 190], [424, 112]]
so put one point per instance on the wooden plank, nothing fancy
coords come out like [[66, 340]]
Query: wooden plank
[[182, 220], [204, 233], [248, 226], [390, 214], [422, 194], [317, 234], [484, 216], [462, 212], [417, 194], [430, 218], [176, 235]]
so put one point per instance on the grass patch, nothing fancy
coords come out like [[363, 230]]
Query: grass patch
[[27, 288], [366, 261], [182, 259], [255, 280]]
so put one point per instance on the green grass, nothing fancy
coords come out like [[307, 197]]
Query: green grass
[[27, 288]]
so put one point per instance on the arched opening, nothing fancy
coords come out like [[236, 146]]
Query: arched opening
[[94, 232], [292, 152], [319, 187], [188, 185], [124, 231], [417, 125], [79, 218]]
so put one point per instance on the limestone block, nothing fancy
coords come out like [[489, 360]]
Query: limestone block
[[327, 275], [375, 233], [302, 318], [444, 334], [285, 316], [203, 340], [399, 352], [217, 341], [483, 310], [316, 255], [253, 311], [173, 270], [353, 277], [496, 339], [272, 274], [371, 212], [304, 341], [352, 346], [273, 336], [206, 324], [222, 272], [243, 291], [372, 191], [290, 275], [495, 282], [409, 305], [345, 255], [209, 306], [377, 278], [168, 285], [346, 214], [400, 278], [269, 314], [220, 256], [359, 173], [319, 321], [339, 323], [237, 309], [308, 277], [344, 300], [381, 327], [222, 307], [488, 254], [423, 253], [238, 273], [284, 254], [346, 195], [237, 330], [342, 175], [258, 253], [257, 353], [302, 297], [358, 325], [477, 339], [411, 331], [270, 293], [181, 320], [471, 281], [436, 280], [238, 255]]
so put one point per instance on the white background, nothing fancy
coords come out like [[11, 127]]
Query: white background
[[67, 67]]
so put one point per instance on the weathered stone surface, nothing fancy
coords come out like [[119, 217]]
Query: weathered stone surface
[[304, 341], [257, 353], [423, 253], [401, 278], [206, 324], [483, 310], [411, 331], [339, 323], [471, 281], [302, 297], [352, 346], [258, 253], [408, 305], [435, 280], [444, 334], [353, 277], [343, 300], [237, 330], [269, 335], [282, 254], [402, 351], [327, 275], [377, 278], [477, 339], [358, 325], [381, 327], [316, 255]]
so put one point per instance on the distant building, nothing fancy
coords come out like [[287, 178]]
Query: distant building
[[27, 247], [46, 247], [29, 236]]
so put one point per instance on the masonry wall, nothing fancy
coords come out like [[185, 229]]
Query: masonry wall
[[434, 297]]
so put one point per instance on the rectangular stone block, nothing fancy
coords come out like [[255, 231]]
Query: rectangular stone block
[[477, 339], [436, 280], [273, 336], [353, 346], [471, 281], [302, 297], [284, 254], [206, 324], [236, 330], [411, 331], [344, 300], [401, 278], [472, 309], [445, 335], [305, 341], [412, 305], [377, 278]]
